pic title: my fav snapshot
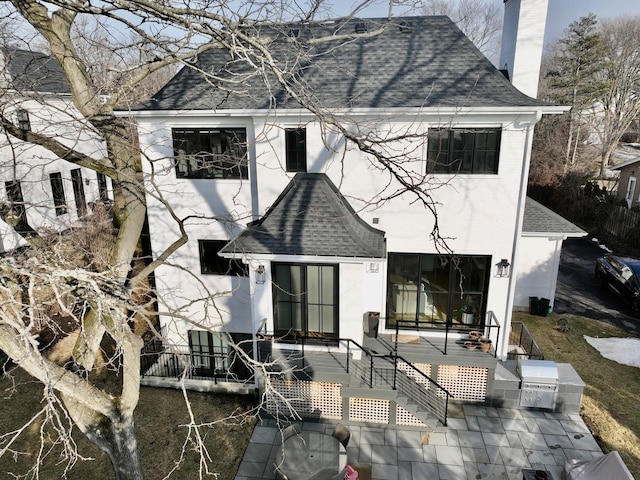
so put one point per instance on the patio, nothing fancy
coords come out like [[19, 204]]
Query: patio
[[479, 443]]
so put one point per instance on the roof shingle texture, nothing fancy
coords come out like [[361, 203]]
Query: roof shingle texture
[[34, 72], [539, 219], [412, 62], [310, 217]]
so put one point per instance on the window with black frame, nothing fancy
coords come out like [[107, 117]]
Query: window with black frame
[[210, 153], [296, 149], [213, 264], [433, 291], [57, 189], [463, 150], [305, 300], [210, 354], [16, 200], [78, 192]]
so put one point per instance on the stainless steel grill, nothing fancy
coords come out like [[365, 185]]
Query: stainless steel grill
[[539, 383]]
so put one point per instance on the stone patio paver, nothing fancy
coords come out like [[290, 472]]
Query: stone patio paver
[[478, 443]]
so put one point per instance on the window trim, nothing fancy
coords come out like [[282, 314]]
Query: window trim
[[295, 141], [220, 165], [58, 193], [448, 167], [219, 265]]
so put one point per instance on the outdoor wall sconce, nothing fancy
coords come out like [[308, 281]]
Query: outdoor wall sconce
[[23, 120], [260, 275], [503, 268]]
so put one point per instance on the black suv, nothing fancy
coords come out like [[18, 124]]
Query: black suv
[[622, 275]]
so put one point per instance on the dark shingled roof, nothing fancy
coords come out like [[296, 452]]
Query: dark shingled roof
[[539, 219], [414, 62], [33, 72], [310, 217]]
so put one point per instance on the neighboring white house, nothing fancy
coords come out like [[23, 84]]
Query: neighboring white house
[[46, 191], [628, 166], [295, 231], [543, 232]]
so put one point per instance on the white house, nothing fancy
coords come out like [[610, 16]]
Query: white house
[[298, 234], [46, 191]]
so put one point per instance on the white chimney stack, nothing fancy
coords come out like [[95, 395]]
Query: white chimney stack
[[522, 42]]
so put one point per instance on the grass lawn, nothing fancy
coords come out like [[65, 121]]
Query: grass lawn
[[161, 419], [611, 402]]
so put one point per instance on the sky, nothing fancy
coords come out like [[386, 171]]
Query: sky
[[560, 13], [563, 12]]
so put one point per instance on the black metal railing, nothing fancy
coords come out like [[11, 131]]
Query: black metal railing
[[178, 362], [491, 328], [522, 344], [378, 370]]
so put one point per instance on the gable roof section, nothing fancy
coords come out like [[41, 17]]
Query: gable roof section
[[415, 62], [628, 154], [541, 221], [310, 217], [29, 71]]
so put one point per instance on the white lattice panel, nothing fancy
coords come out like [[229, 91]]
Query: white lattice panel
[[419, 379], [369, 410], [464, 383], [407, 418], [308, 399]]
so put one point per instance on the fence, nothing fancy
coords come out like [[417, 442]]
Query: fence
[[522, 345], [622, 221]]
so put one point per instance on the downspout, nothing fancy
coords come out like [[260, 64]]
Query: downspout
[[524, 177]]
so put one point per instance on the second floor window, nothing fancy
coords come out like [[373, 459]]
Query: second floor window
[[296, 146], [210, 152], [463, 150], [212, 264]]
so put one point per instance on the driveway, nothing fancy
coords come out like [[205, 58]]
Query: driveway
[[578, 293]]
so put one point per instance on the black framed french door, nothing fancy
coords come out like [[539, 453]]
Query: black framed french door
[[305, 300]]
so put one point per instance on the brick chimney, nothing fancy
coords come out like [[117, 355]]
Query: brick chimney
[[522, 42]]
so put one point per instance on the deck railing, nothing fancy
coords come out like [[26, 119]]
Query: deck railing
[[491, 329], [378, 370]]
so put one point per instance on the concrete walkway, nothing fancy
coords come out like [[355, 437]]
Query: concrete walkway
[[479, 443]]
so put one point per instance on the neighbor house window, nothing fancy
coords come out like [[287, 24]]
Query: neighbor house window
[[213, 264], [103, 190], [16, 200], [57, 188], [210, 152], [296, 146], [305, 300], [78, 192], [468, 150], [24, 123], [429, 291]]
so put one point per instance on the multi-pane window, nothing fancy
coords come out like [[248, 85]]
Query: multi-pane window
[[429, 291], [24, 123], [213, 264], [16, 200], [296, 149], [57, 189], [469, 150], [78, 192], [306, 300], [210, 152], [209, 353], [103, 190]]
